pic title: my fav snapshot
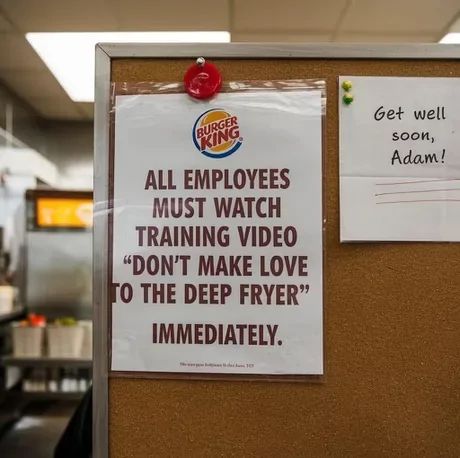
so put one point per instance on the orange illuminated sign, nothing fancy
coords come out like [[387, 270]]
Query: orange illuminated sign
[[57, 212]]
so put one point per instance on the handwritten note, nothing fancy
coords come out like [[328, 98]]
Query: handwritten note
[[400, 159]]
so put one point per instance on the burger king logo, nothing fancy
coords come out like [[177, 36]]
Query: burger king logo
[[216, 133]]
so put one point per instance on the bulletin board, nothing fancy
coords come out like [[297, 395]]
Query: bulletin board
[[391, 310]]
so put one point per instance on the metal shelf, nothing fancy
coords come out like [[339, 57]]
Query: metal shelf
[[50, 395], [47, 362], [15, 313]]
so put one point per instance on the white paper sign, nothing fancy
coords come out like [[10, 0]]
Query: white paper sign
[[400, 159], [217, 234]]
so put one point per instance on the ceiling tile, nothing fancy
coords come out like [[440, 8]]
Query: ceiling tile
[[399, 16], [5, 25], [254, 37], [59, 15], [145, 15], [295, 16], [55, 108], [100, 15], [32, 84], [16, 53], [360, 37]]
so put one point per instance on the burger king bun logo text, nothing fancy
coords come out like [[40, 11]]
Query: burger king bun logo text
[[216, 133]]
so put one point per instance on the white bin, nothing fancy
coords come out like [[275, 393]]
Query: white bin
[[7, 294], [64, 341], [28, 341], [87, 347]]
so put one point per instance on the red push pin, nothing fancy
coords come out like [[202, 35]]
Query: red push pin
[[202, 80]]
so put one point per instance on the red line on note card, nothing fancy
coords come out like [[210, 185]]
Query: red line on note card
[[411, 192], [417, 201], [440, 180]]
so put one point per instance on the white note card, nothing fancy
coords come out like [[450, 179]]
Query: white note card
[[400, 159]]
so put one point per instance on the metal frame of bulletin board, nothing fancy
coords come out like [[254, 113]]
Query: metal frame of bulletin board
[[390, 336]]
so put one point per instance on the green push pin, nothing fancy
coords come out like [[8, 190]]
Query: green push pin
[[347, 85], [348, 98]]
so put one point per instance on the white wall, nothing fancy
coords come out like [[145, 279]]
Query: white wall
[[70, 146]]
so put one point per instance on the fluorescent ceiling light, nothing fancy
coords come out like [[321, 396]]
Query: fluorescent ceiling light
[[453, 35], [451, 38], [70, 55]]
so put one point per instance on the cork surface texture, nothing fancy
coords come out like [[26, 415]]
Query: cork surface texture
[[392, 333]]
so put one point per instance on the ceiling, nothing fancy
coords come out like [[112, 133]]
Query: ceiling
[[247, 20]]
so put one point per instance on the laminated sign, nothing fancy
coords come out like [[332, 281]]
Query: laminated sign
[[217, 233]]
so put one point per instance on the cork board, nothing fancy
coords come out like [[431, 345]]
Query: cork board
[[392, 333]]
